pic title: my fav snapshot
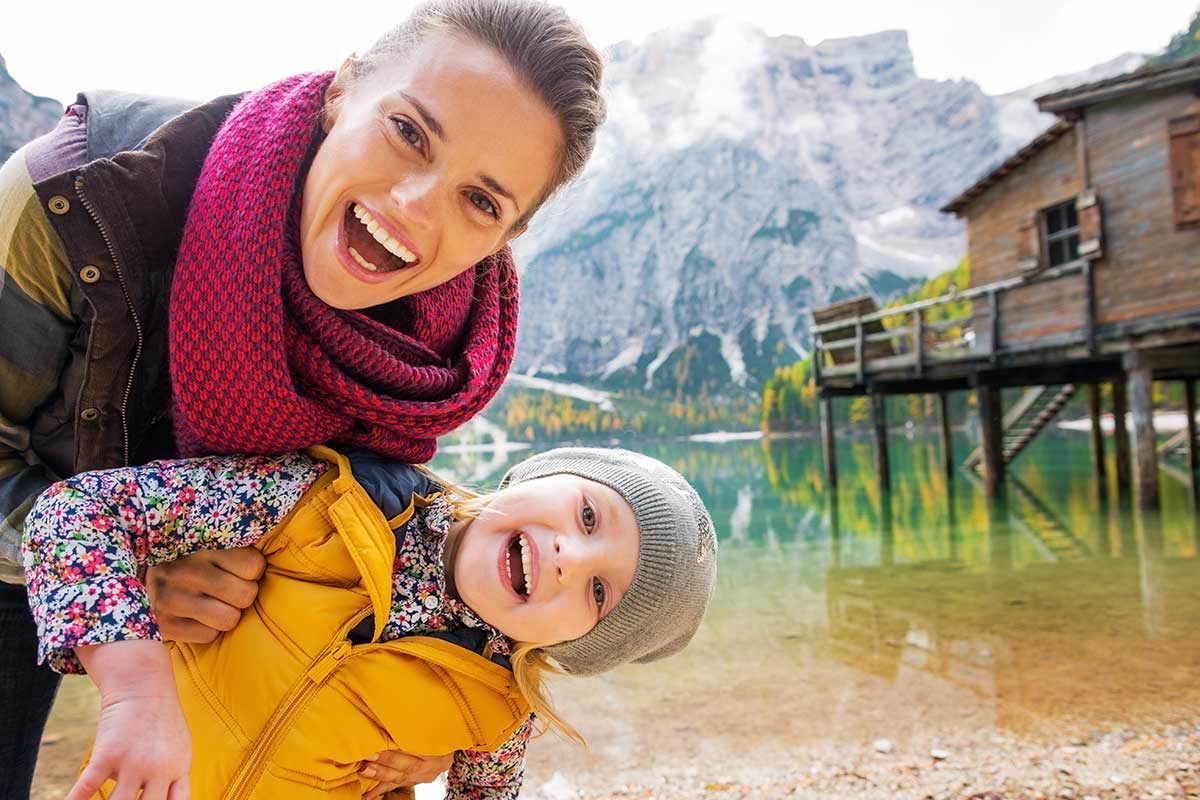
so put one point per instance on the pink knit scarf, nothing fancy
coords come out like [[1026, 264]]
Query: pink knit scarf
[[259, 364]]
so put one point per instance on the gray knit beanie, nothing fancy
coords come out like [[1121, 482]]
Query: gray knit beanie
[[677, 562]]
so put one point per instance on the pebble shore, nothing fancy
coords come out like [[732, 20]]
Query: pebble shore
[[1115, 765]]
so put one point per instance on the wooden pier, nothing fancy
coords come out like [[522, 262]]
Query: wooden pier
[[1085, 274]]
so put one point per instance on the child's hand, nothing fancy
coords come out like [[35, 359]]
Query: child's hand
[[142, 740]]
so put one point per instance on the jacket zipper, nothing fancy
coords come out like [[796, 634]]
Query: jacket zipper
[[242, 784], [137, 323]]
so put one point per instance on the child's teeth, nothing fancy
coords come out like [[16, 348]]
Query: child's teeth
[[525, 563], [389, 242]]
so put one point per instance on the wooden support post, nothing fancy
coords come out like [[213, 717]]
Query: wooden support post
[[991, 425], [947, 441], [879, 423], [1093, 399], [828, 444], [887, 531], [1193, 457], [1145, 447], [1120, 408]]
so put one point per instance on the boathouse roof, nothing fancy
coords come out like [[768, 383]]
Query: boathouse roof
[[1068, 104]]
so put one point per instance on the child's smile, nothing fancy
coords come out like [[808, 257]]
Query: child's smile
[[547, 559], [519, 563]]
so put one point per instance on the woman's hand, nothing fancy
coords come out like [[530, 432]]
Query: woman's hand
[[142, 741], [396, 768], [198, 596]]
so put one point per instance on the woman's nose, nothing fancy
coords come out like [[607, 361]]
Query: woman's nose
[[415, 198]]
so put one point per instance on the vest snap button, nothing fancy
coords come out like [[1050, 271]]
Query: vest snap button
[[431, 602], [89, 274], [90, 414], [59, 204]]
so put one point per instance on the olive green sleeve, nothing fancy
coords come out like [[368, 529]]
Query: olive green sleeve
[[35, 283]]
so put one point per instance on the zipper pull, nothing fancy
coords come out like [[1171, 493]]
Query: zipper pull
[[321, 670]]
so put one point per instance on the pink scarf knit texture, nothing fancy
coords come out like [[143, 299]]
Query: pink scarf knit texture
[[259, 364]]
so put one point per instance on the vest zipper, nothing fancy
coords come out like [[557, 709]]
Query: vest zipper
[[242, 784], [137, 323]]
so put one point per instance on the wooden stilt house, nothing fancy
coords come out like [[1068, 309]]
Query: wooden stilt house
[[1085, 268]]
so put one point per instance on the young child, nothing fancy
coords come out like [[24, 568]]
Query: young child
[[395, 612]]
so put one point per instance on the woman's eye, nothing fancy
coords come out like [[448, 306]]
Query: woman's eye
[[589, 518], [484, 204], [598, 592], [409, 132]]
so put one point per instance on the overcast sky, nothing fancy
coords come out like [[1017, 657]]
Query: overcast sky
[[201, 48]]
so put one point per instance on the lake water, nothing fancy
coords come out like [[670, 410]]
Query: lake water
[[935, 620]]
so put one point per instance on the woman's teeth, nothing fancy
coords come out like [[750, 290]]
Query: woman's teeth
[[380, 235]]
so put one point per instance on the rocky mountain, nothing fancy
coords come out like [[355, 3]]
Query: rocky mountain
[[22, 115], [743, 179]]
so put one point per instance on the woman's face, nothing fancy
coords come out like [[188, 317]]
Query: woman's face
[[547, 559], [427, 165]]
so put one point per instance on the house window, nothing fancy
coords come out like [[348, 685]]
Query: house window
[[1184, 157], [1062, 233]]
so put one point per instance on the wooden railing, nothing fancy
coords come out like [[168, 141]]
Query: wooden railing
[[910, 340]]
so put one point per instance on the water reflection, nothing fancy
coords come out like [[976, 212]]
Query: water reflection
[[1051, 608]]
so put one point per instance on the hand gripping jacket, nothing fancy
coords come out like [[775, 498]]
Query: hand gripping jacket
[[287, 704]]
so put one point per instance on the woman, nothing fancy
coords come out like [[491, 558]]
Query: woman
[[321, 260]]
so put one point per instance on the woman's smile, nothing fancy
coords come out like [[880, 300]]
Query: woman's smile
[[370, 248]]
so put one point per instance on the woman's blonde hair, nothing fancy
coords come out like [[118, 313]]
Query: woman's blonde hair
[[530, 665], [546, 48]]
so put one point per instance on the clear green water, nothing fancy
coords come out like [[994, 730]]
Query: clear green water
[[842, 618]]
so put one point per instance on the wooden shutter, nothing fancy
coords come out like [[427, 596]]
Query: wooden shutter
[[1029, 244], [1185, 169], [1091, 230]]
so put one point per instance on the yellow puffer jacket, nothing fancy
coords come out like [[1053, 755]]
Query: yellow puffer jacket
[[285, 706]]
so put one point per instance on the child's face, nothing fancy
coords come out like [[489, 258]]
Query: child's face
[[547, 559], [439, 154]]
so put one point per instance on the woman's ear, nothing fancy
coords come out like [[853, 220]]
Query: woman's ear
[[336, 92]]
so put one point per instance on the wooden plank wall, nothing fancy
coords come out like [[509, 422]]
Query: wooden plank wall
[[1052, 309], [1149, 268]]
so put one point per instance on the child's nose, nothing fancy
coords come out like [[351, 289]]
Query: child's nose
[[569, 557]]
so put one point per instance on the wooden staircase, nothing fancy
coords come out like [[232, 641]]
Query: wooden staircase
[[1038, 521], [1033, 412], [1176, 446]]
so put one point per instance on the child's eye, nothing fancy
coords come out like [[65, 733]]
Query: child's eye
[[589, 518], [484, 204], [598, 592]]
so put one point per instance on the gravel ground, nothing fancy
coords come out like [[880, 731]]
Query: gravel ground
[[1107, 766]]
